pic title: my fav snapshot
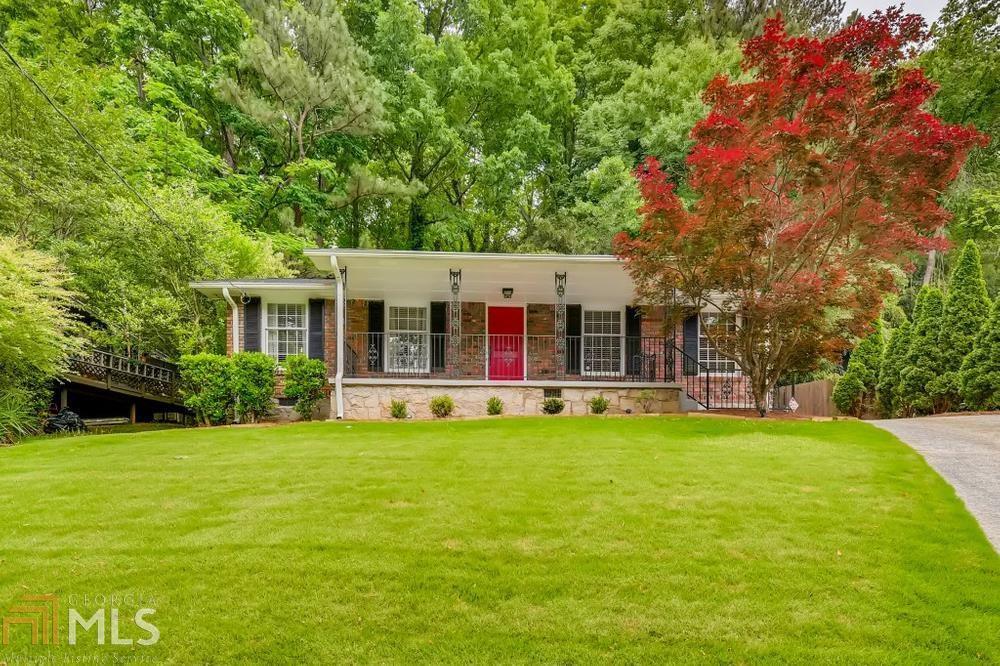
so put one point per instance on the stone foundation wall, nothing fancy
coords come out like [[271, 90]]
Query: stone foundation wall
[[372, 401]]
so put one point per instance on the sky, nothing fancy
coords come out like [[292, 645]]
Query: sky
[[928, 8]]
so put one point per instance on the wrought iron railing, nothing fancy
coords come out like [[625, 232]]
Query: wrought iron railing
[[646, 359], [510, 357], [114, 369]]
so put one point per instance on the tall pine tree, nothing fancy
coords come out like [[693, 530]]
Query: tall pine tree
[[980, 377], [892, 367], [924, 358], [966, 308]]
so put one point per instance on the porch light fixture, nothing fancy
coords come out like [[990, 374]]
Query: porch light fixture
[[456, 280], [507, 292], [560, 284]]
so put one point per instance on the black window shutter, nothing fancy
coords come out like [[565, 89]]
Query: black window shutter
[[574, 343], [439, 324], [376, 335], [316, 328], [633, 340], [251, 325], [691, 345]]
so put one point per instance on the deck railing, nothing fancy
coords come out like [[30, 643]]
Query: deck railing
[[115, 369]]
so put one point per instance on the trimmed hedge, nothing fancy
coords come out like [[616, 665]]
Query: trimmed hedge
[[206, 386], [253, 385], [304, 381]]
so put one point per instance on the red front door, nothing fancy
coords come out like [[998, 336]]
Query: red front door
[[505, 326]]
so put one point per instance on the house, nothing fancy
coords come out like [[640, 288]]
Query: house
[[409, 325]]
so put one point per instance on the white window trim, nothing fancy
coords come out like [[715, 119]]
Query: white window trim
[[715, 373], [584, 309], [387, 333], [265, 342]]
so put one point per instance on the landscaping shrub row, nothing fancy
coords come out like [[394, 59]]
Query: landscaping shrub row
[[442, 406], [219, 389], [946, 357]]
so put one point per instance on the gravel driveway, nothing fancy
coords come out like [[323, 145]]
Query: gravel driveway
[[965, 450]]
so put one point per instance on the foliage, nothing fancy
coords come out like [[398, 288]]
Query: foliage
[[18, 419], [854, 393], [966, 308], [924, 358], [892, 367], [397, 408], [442, 406], [598, 404], [553, 405], [646, 400], [305, 379], [253, 385], [494, 406], [35, 320], [206, 386], [848, 394], [812, 189], [980, 376]]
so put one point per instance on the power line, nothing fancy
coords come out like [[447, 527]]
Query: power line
[[86, 141]]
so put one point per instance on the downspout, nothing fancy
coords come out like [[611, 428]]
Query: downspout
[[338, 380], [236, 319], [236, 329]]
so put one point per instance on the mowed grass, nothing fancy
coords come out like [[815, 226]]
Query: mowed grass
[[567, 540]]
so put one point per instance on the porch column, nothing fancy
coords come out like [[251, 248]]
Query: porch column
[[560, 325], [455, 323], [340, 317]]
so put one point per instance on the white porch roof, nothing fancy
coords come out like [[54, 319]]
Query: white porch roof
[[424, 276]]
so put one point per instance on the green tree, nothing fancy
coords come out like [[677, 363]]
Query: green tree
[[305, 81], [36, 327], [924, 358], [855, 392], [980, 377], [893, 363], [966, 308]]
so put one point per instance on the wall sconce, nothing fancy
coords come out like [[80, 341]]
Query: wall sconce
[[507, 292], [456, 280]]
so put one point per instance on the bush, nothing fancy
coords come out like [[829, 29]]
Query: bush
[[887, 389], [980, 376], [494, 406], [599, 404], [857, 395], [848, 393], [18, 418], [304, 381], [398, 409], [646, 400], [442, 406], [553, 405], [966, 308], [206, 386], [253, 385], [923, 359]]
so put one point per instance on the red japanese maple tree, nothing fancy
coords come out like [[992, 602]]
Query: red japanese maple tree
[[818, 176]]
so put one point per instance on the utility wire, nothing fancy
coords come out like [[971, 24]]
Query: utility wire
[[85, 140]]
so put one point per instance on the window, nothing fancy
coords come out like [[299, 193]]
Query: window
[[602, 342], [720, 326], [286, 330], [408, 339]]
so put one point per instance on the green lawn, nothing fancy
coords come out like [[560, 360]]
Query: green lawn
[[536, 539]]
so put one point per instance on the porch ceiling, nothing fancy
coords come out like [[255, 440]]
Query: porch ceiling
[[424, 276]]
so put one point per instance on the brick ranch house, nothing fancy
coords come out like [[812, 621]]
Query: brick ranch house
[[409, 325]]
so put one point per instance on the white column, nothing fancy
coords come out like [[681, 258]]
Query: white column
[[341, 320]]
